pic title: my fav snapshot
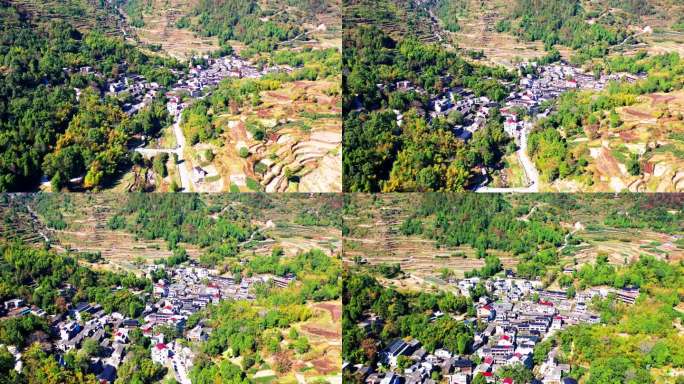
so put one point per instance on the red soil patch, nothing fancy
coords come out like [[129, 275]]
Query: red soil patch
[[273, 136], [264, 113], [636, 113], [628, 136], [649, 167], [278, 96], [335, 310], [302, 84], [334, 334], [324, 366], [656, 99], [607, 164]]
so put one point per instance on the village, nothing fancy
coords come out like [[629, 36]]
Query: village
[[185, 291], [515, 316], [538, 84], [203, 74], [527, 101], [207, 72]]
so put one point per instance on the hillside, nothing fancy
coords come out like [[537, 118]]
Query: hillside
[[181, 28], [105, 224], [507, 33], [531, 96], [119, 76], [425, 233], [82, 14]]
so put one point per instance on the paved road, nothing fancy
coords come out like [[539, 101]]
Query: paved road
[[567, 236], [180, 371], [151, 152], [183, 171], [531, 172], [36, 222]]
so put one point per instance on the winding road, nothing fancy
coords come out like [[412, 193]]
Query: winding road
[[183, 171], [531, 172]]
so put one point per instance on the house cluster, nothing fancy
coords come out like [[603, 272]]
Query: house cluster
[[140, 92], [186, 290], [474, 110], [547, 83], [215, 70], [544, 83], [18, 308], [515, 316], [516, 323], [86, 321]]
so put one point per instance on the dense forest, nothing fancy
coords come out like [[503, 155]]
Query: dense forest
[[404, 315], [45, 129], [418, 154]]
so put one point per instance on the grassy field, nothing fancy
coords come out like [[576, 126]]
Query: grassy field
[[512, 175]]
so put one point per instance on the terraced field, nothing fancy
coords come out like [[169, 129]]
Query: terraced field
[[477, 32], [397, 18], [373, 235], [302, 153], [376, 239], [160, 28], [653, 129], [82, 14], [83, 228]]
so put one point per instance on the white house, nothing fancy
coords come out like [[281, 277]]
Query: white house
[[160, 353]]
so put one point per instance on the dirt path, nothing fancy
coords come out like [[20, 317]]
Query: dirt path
[[567, 236]]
